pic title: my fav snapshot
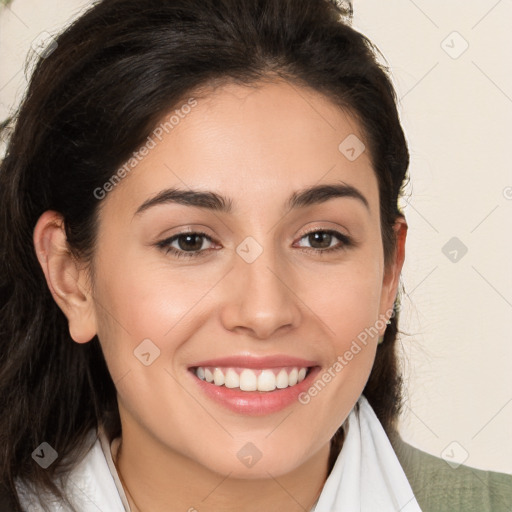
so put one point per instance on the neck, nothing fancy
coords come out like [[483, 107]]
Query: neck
[[152, 484]]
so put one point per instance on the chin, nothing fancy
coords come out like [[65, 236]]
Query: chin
[[249, 461], [259, 470]]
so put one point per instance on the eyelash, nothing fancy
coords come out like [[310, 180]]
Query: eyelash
[[165, 244]]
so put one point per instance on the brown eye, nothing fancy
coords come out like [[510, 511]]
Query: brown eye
[[189, 244], [321, 241]]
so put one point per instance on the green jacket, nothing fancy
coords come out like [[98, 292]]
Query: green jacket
[[439, 487]]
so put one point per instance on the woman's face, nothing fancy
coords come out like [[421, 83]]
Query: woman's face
[[255, 301]]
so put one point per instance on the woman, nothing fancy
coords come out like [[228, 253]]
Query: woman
[[201, 254]]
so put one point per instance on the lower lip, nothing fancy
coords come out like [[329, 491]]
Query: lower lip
[[255, 403]]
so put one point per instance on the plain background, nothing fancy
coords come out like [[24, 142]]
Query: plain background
[[451, 67]]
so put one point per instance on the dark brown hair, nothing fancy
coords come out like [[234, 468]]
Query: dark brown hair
[[90, 104]]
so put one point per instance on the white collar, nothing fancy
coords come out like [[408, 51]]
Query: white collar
[[90, 485], [367, 474]]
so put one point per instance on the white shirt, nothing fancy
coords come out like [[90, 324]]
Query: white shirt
[[366, 476]]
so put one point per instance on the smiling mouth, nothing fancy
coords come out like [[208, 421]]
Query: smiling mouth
[[249, 379]]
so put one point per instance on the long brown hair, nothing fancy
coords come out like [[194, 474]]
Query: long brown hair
[[90, 104]]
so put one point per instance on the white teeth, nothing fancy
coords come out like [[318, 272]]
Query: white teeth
[[266, 381], [248, 380], [232, 379], [218, 377], [251, 380], [292, 378], [282, 379]]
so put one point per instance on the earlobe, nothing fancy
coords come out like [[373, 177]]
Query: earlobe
[[66, 281]]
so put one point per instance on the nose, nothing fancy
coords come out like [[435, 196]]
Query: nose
[[260, 297]]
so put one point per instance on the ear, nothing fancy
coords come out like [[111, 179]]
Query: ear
[[392, 273], [66, 280]]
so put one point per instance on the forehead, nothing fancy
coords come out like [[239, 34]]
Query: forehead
[[253, 144]]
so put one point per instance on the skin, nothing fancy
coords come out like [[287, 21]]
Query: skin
[[255, 145]]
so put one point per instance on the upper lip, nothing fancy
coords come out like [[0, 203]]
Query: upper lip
[[245, 361]]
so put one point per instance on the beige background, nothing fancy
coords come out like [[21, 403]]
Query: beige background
[[452, 70]]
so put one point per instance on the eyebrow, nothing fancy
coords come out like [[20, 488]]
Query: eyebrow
[[212, 201]]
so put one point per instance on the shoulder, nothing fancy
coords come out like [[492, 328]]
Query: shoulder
[[439, 486], [88, 485]]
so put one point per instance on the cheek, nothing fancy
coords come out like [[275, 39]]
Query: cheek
[[146, 298], [345, 297], [140, 299], [348, 307]]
